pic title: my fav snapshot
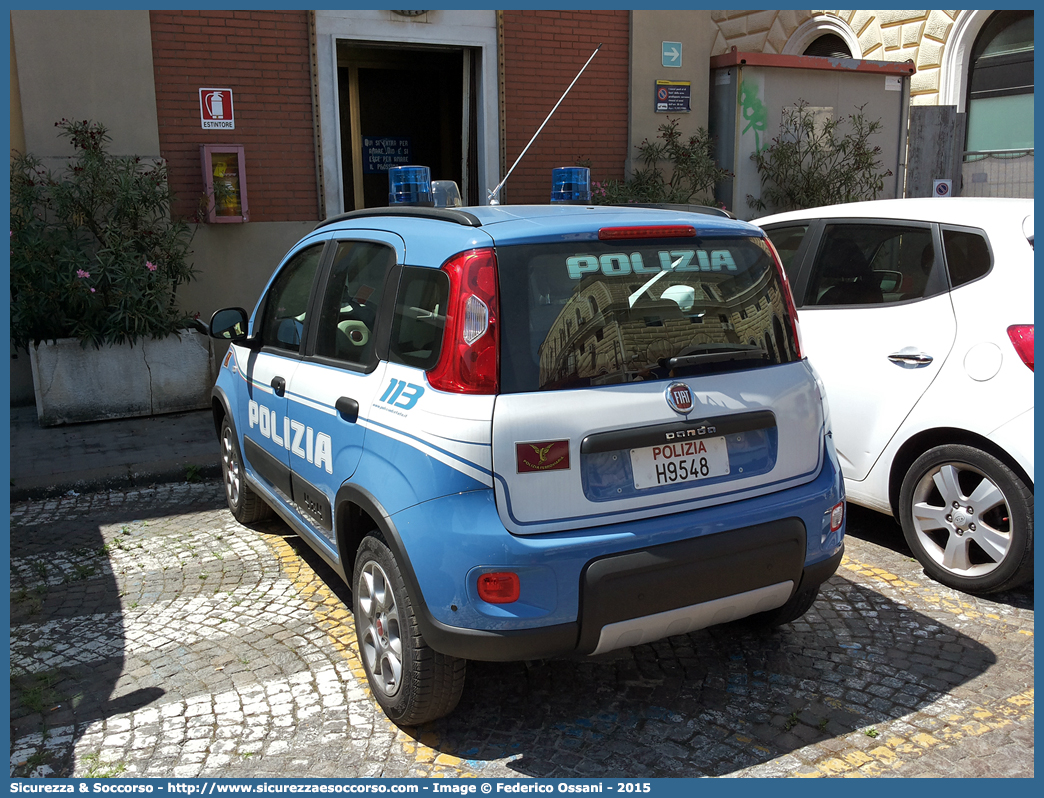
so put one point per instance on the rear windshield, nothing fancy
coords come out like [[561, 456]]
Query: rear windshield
[[609, 312]]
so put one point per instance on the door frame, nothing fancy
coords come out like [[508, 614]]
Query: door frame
[[475, 31]]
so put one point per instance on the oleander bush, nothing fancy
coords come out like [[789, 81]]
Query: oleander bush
[[816, 161], [95, 254], [673, 170]]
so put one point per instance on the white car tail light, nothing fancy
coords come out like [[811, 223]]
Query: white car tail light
[[1021, 336]]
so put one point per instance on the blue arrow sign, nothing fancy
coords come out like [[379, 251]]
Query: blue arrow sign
[[671, 54]]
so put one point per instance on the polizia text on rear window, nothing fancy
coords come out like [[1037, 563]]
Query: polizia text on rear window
[[602, 313]]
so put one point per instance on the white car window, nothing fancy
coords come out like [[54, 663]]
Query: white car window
[[872, 264], [967, 256]]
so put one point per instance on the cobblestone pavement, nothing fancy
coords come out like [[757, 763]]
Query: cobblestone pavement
[[152, 635]]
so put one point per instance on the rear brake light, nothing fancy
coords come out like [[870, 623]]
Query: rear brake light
[[1021, 336], [788, 298], [499, 588], [469, 362], [662, 231]]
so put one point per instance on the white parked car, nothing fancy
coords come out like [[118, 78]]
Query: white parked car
[[918, 316]]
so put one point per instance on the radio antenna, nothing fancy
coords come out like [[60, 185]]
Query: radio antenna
[[493, 193]]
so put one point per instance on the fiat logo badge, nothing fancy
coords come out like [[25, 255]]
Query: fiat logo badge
[[679, 397]]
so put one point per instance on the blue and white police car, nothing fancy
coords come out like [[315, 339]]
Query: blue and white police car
[[526, 431]]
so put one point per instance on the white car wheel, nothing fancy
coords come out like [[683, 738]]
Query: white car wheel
[[968, 519]]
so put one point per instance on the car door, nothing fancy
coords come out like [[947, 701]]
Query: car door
[[877, 324], [331, 392], [281, 324]]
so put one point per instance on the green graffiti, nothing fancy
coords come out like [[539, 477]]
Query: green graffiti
[[754, 112]]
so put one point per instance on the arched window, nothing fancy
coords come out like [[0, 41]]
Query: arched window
[[823, 34], [829, 45], [1000, 84]]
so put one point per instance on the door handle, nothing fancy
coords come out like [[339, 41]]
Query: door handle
[[279, 386], [910, 358], [348, 408]]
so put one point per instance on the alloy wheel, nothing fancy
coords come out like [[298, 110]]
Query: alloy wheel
[[962, 519], [380, 643], [230, 467]]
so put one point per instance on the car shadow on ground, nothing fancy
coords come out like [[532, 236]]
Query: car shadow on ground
[[715, 701], [68, 643], [707, 703]]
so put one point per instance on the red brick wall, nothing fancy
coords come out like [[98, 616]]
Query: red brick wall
[[543, 51], [263, 57]]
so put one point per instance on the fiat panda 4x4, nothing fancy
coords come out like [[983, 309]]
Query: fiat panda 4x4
[[526, 431]]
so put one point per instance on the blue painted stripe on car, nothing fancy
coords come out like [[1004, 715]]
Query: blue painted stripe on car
[[371, 424]]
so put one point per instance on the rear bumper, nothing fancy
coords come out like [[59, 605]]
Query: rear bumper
[[589, 635], [695, 569], [655, 581]]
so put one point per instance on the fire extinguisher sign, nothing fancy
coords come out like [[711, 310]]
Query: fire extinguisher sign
[[215, 109]]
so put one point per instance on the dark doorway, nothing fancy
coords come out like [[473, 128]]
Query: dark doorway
[[400, 106]]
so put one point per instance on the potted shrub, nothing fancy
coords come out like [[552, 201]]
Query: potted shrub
[[688, 178], [96, 261]]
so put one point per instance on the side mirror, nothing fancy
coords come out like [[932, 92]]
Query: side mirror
[[229, 324]]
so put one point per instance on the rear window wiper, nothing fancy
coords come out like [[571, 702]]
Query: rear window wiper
[[717, 354]]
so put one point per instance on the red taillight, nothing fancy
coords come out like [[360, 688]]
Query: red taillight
[[837, 516], [469, 362], [499, 588], [661, 231], [1021, 336], [788, 298]]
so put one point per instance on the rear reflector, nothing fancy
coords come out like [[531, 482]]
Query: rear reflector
[[662, 231], [837, 516], [499, 588], [1021, 336]]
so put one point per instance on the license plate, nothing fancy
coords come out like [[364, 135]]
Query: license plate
[[680, 461]]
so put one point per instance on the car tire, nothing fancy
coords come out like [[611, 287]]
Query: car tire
[[968, 519], [796, 606], [246, 506], [413, 683]]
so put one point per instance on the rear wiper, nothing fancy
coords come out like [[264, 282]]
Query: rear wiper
[[718, 354]]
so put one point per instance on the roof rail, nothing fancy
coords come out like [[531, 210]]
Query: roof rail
[[710, 210], [437, 214]]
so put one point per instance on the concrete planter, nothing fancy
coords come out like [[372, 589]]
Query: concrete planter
[[73, 384]]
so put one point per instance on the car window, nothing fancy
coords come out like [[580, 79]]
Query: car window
[[286, 303], [967, 255], [605, 312], [420, 317], [348, 313], [872, 264], [786, 240]]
